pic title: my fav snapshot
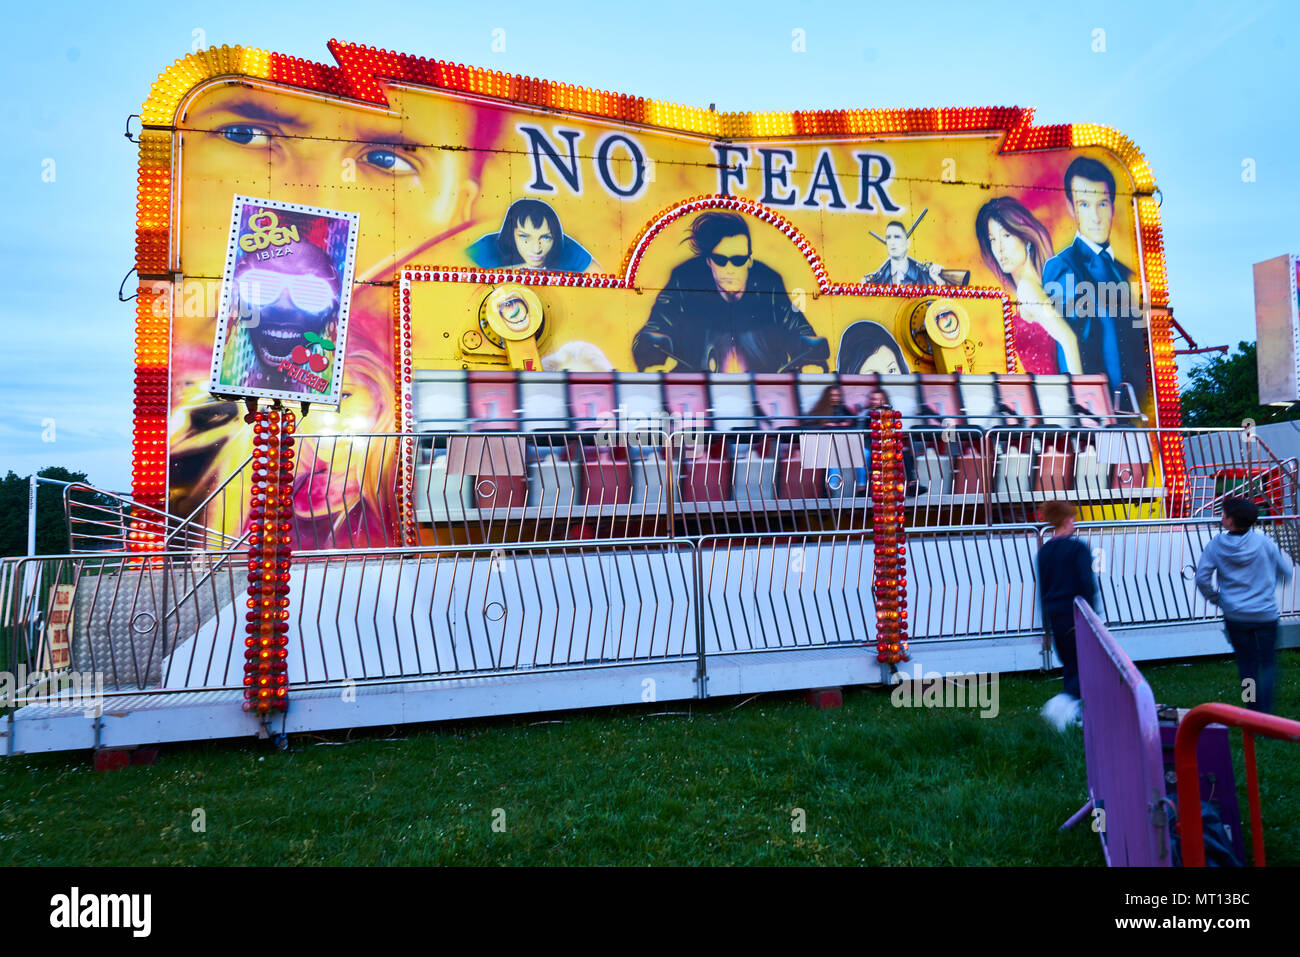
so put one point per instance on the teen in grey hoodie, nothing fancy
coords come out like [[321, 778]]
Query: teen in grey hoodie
[[1249, 567]]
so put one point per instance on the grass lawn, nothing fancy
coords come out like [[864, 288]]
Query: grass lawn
[[675, 783]]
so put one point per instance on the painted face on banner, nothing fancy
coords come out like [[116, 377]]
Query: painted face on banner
[[534, 242], [1008, 248], [896, 242], [1092, 208], [413, 198], [729, 277], [880, 362], [286, 297]]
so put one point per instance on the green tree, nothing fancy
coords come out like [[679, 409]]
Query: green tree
[[1223, 391], [51, 526]]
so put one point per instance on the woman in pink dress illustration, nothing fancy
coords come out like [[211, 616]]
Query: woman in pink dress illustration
[[1015, 245]]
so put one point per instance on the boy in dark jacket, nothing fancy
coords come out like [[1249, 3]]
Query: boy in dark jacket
[[1064, 573], [1249, 568]]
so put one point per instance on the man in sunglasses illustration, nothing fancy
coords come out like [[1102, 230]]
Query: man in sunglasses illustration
[[724, 311]]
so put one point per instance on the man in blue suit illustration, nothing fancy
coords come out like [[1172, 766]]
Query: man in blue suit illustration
[[1090, 287]]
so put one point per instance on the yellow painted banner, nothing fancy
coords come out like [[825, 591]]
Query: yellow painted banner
[[764, 251]]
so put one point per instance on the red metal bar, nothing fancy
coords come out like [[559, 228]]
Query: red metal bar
[[1189, 779], [1193, 348], [1252, 792]]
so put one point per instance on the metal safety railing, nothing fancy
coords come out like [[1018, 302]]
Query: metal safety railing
[[121, 618], [763, 482], [458, 488], [100, 520], [561, 485], [454, 487], [1238, 462], [961, 474], [375, 615], [150, 623], [972, 582], [346, 490], [976, 581], [543, 486], [1111, 469], [1146, 570], [176, 621], [221, 517], [441, 555], [765, 593]]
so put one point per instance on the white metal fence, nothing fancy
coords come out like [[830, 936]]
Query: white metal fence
[[177, 622]]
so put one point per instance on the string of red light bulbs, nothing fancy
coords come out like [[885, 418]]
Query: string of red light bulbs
[[889, 538], [266, 647]]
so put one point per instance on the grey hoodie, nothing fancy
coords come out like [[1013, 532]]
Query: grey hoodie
[[1250, 567]]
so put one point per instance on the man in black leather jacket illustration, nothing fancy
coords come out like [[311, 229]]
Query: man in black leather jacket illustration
[[724, 311]]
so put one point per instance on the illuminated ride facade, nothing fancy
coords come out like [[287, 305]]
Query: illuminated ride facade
[[838, 232], [609, 405]]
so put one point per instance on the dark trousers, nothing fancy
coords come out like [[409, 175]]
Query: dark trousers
[[1253, 643], [1062, 624]]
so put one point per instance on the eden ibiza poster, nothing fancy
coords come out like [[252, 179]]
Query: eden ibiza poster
[[285, 295]]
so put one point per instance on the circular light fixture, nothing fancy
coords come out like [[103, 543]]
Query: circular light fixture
[[513, 312]]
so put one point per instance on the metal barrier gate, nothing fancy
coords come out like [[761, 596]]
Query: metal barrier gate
[[1121, 737]]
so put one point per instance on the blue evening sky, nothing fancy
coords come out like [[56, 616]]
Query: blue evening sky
[[1199, 86]]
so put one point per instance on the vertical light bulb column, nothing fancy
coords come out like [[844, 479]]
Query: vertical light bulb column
[[153, 312], [888, 537], [403, 410], [266, 649]]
